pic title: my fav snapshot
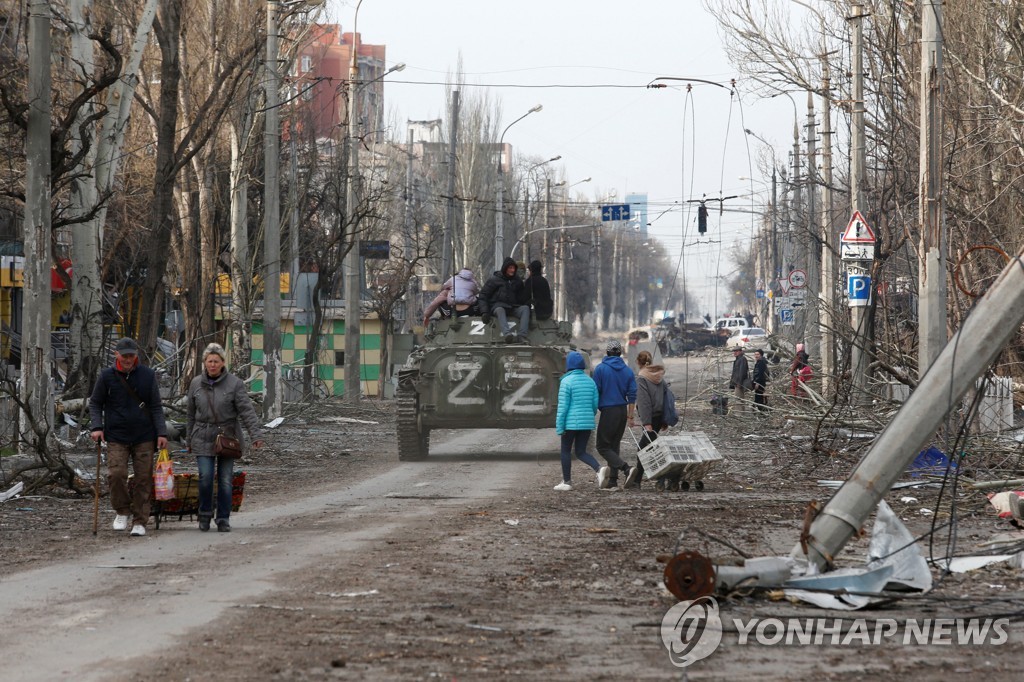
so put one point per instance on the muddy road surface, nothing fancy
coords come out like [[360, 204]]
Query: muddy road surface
[[345, 564]]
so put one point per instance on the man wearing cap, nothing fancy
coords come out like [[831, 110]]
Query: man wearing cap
[[127, 413], [616, 392], [740, 380]]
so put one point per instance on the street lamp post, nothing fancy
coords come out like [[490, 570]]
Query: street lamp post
[[353, 362], [526, 204], [773, 266], [560, 254], [272, 212], [499, 220]]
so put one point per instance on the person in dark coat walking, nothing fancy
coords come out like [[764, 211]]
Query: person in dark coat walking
[[760, 379], [504, 293], [740, 381], [616, 390], [126, 412], [538, 292]]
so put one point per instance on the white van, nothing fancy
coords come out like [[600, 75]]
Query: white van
[[731, 324]]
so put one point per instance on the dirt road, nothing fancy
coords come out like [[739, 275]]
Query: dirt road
[[345, 564]]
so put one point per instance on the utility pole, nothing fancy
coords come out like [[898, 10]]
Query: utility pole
[[37, 408], [932, 320], [773, 265], [408, 253], [272, 226], [966, 357], [812, 250], [829, 276], [499, 218], [598, 273], [449, 226], [353, 361], [858, 314]]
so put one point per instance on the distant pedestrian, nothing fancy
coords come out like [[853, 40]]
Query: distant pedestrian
[[740, 381], [574, 420], [126, 412], [760, 379], [616, 389], [802, 373], [538, 292], [801, 356]]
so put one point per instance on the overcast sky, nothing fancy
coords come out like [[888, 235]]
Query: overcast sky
[[588, 62]]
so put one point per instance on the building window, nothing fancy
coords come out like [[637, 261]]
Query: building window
[[307, 63], [339, 358]]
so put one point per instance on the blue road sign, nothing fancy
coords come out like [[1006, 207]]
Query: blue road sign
[[615, 212], [760, 293], [858, 290], [786, 316]]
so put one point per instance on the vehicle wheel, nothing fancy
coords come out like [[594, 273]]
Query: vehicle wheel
[[413, 441], [699, 485], [684, 485]]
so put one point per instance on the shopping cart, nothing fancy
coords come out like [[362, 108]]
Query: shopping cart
[[686, 455]]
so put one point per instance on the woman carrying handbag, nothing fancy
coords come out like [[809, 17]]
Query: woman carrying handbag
[[218, 404]]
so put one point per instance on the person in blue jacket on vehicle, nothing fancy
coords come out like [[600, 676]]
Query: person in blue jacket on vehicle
[[616, 390], [574, 420]]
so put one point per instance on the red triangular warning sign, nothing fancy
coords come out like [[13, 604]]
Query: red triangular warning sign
[[858, 231]]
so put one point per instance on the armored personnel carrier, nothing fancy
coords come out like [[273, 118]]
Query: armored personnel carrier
[[466, 377]]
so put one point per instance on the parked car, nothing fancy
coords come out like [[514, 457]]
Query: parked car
[[731, 324], [748, 336]]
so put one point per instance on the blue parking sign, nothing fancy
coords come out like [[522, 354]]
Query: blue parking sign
[[858, 290]]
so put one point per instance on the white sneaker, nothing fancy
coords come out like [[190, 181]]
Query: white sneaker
[[138, 529], [563, 486], [632, 477], [603, 474], [121, 522]]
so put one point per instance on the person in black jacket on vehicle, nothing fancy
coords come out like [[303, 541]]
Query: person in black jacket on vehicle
[[504, 292], [538, 292], [126, 412]]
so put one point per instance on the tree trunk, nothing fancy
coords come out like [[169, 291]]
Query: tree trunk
[[161, 213], [36, 406]]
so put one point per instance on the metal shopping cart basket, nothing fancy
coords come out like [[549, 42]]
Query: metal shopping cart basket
[[688, 455]]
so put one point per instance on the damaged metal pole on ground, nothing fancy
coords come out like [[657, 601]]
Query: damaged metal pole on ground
[[966, 357]]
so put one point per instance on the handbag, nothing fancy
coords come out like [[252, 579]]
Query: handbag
[[223, 444], [163, 477], [226, 446]]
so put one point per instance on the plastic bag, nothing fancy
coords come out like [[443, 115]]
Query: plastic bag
[[163, 477]]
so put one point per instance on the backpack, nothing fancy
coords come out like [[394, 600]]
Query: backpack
[[668, 408]]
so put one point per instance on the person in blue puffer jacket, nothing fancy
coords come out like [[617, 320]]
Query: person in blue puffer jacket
[[574, 420]]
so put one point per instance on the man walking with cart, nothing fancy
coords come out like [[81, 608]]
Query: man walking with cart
[[126, 412]]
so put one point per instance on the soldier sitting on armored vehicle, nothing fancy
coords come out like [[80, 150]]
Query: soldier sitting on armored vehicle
[[538, 292], [503, 293]]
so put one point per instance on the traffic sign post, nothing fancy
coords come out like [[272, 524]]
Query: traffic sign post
[[857, 251], [858, 245], [858, 231], [858, 290], [798, 279], [614, 212]]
